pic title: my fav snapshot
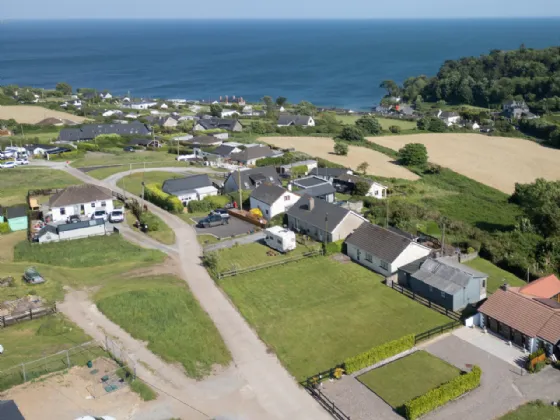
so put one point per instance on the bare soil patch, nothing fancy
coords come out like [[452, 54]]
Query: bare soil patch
[[499, 162], [379, 164], [169, 266], [27, 114]]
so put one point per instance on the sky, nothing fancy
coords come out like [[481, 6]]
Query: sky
[[267, 9]]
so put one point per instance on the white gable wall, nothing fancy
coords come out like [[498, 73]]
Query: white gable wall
[[413, 252], [281, 205], [62, 213]]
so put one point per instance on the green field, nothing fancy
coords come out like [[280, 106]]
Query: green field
[[496, 275], [103, 173], [408, 378], [133, 182], [14, 183], [164, 234], [533, 411], [385, 122], [169, 318], [120, 158], [316, 312]]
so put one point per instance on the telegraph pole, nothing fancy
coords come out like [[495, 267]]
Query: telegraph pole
[[239, 184]]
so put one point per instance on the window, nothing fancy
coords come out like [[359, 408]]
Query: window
[[369, 257], [266, 211], [286, 198], [103, 204], [62, 211], [93, 205], [384, 265], [443, 294], [483, 282]]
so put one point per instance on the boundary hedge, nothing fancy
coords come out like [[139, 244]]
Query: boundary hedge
[[442, 394], [378, 353], [154, 194], [333, 247]]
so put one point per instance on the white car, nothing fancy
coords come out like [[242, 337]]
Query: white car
[[22, 162], [99, 214], [6, 165], [116, 216]]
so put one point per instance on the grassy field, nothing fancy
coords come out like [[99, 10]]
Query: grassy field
[[317, 312], [103, 173], [14, 183], [133, 182], [207, 239], [164, 234], [102, 159], [496, 275], [409, 377], [170, 319], [385, 122], [29, 114], [533, 411]]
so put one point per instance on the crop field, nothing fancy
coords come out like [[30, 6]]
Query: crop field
[[322, 147], [499, 162], [28, 114]]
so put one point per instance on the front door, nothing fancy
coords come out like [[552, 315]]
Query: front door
[[358, 254]]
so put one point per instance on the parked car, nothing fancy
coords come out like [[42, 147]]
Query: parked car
[[73, 219], [7, 165], [99, 214], [129, 149], [116, 216], [222, 212], [21, 161], [32, 276], [213, 220]]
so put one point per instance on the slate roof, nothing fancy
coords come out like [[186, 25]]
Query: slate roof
[[353, 179], [448, 114], [79, 194], [310, 181], [205, 140], [321, 211], [268, 193], [545, 287], [414, 266], [10, 411], [79, 225], [256, 152], [378, 241], [286, 119], [189, 183], [223, 150], [249, 177], [16, 211], [211, 123], [320, 190], [329, 172], [90, 131]]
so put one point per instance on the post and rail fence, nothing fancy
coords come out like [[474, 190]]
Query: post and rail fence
[[29, 315], [426, 335]]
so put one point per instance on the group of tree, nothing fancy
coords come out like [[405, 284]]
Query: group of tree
[[414, 154]]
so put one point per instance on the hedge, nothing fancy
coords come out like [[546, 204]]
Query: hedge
[[208, 203], [442, 394], [379, 353], [4, 228], [90, 147], [154, 194], [333, 247]]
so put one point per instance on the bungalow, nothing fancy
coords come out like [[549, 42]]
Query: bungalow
[[82, 200], [205, 141], [315, 187], [382, 250], [224, 151], [272, 200], [250, 155], [445, 282], [140, 105], [194, 187], [251, 178], [66, 231], [90, 131], [287, 120], [346, 184], [229, 113], [528, 316], [165, 121], [16, 217], [321, 220], [287, 169], [329, 174], [39, 149], [217, 123], [449, 118], [145, 143]]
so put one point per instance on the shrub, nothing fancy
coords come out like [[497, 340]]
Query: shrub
[[350, 133], [88, 147], [150, 219], [369, 125], [443, 394], [395, 129], [378, 353], [333, 247], [74, 154], [208, 203], [340, 148], [154, 194], [196, 206], [413, 154], [279, 220], [211, 260], [4, 228]]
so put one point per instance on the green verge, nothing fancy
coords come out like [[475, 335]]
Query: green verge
[[534, 410]]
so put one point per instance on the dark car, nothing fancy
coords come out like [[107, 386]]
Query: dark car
[[222, 212], [213, 220], [129, 149]]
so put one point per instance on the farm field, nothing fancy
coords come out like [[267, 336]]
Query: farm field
[[496, 275], [533, 411], [499, 162], [322, 147], [385, 122], [408, 378], [315, 313], [28, 114]]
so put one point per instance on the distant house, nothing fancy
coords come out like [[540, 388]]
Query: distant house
[[251, 178], [316, 187], [223, 152], [321, 220], [10, 411], [39, 149], [194, 187], [105, 96], [287, 120], [448, 117], [217, 123], [16, 216], [81, 200], [167, 121], [229, 113], [346, 184], [329, 174], [472, 125], [67, 231], [405, 110], [251, 155], [444, 281], [382, 250], [517, 110], [145, 143], [140, 105], [272, 200], [287, 169], [90, 131], [247, 110], [205, 141], [513, 104], [380, 109]]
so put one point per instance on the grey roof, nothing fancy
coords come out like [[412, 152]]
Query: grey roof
[[223, 150], [320, 190], [189, 183], [352, 179], [323, 213], [414, 266], [252, 178], [452, 262], [224, 124], [255, 152], [448, 114], [329, 172], [310, 181], [378, 241], [268, 193], [79, 225], [401, 232], [79, 194], [90, 131], [31, 147], [10, 411], [141, 142], [286, 119], [16, 211]]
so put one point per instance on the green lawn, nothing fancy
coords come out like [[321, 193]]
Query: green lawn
[[14, 183], [133, 182], [533, 411], [107, 172], [496, 275], [207, 239], [164, 313], [316, 312], [121, 157], [409, 377], [164, 234], [385, 122]]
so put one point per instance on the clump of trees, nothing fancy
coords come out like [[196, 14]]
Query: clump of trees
[[369, 125], [414, 154], [340, 148], [433, 124], [351, 133]]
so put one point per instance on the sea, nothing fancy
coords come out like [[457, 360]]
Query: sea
[[331, 63]]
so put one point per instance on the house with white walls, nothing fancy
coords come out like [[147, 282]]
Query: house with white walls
[[79, 200], [272, 199]]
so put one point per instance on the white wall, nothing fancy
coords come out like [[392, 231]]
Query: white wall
[[374, 264], [279, 206], [89, 209], [413, 252], [377, 191], [349, 224]]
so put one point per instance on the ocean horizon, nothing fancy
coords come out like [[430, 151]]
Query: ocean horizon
[[325, 61]]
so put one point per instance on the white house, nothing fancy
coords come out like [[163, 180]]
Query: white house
[[287, 120], [449, 118], [346, 183], [140, 105], [163, 106], [229, 112], [272, 200], [81, 200], [194, 187], [105, 95], [382, 250]]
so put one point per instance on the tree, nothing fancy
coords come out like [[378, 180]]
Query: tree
[[391, 87], [341, 149], [26, 96], [280, 101], [351, 133], [413, 154], [369, 125], [395, 129], [363, 167], [437, 126], [64, 87], [305, 108], [361, 188], [216, 110]]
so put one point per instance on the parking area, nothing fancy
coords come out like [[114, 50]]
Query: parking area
[[235, 227]]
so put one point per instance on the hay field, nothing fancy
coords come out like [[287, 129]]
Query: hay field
[[27, 114], [499, 162], [322, 147]]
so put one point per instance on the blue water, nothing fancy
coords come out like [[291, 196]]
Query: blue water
[[330, 63]]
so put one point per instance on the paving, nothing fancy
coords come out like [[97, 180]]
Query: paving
[[244, 240], [235, 227]]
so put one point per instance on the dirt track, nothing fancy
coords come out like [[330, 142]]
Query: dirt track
[[27, 114], [379, 164], [499, 162]]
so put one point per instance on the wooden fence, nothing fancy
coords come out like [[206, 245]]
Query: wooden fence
[[313, 388], [456, 316], [426, 335], [6, 321]]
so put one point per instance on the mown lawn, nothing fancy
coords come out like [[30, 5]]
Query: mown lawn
[[316, 312], [103, 173], [133, 182], [164, 313], [385, 122], [496, 276], [535, 410], [121, 157], [207, 239], [409, 377]]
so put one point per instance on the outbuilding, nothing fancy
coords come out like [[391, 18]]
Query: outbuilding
[[17, 217]]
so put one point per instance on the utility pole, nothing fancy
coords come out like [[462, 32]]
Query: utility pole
[[143, 202], [239, 184], [326, 229]]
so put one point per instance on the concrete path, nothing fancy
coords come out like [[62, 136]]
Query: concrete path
[[244, 240], [272, 390]]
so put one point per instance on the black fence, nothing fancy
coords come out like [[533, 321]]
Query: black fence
[[326, 403], [426, 335]]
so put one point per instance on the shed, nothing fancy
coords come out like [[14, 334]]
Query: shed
[[17, 217]]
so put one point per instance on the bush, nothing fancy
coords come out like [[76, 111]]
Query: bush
[[350, 133], [4, 228], [153, 222], [369, 125], [88, 147], [154, 194], [74, 154], [211, 260], [378, 353], [208, 203], [442, 394], [333, 247], [341, 148], [279, 220], [413, 154], [395, 129]]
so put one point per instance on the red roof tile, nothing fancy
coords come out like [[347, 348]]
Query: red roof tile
[[545, 287]]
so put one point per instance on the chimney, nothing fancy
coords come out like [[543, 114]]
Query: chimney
[[311, 204], [290, 186], [505, 287]]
